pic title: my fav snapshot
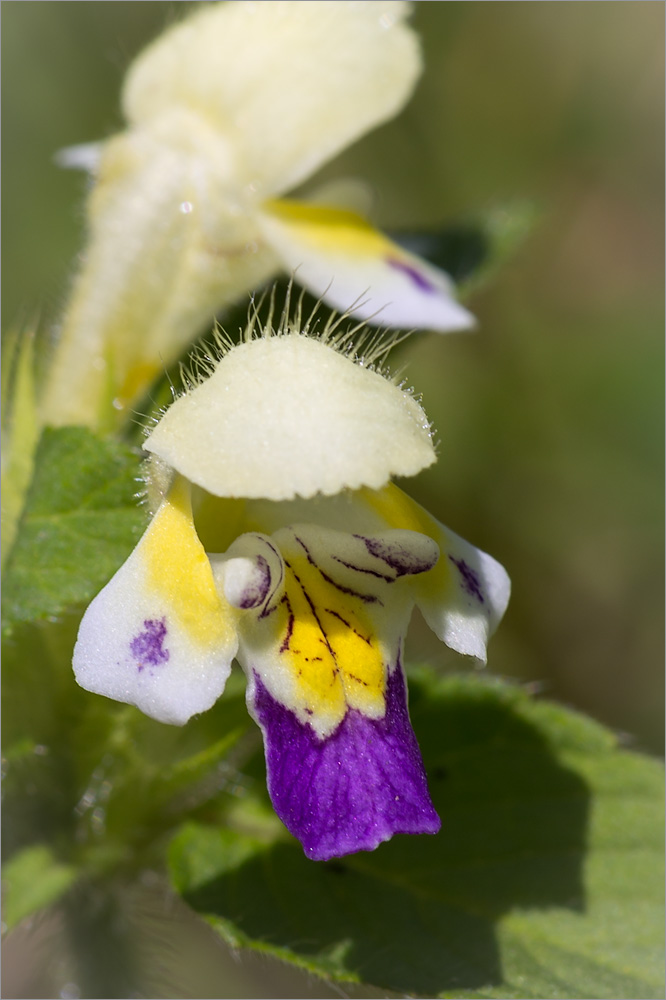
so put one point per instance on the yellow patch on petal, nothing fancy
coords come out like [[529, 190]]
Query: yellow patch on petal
[[330, 645], [464, 595], [330, 632], [178, 569], [321, 639], [399, 511], [329, 229], [339, 256]]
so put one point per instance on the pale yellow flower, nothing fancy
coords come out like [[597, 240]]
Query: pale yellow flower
[[226, 112], [278, 538]]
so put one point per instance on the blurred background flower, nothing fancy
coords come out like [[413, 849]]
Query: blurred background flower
[[550, 416]]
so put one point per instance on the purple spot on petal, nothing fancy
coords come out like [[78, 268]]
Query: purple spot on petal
[[416, 277], [146, 647], [469, 579], [352, 790]]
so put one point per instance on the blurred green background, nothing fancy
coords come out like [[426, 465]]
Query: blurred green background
[[549, 416]]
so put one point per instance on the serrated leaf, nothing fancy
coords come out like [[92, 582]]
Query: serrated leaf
[[544, 881], [32, 880], [80, 521]]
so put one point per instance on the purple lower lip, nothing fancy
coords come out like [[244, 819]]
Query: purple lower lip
[[352, 790]]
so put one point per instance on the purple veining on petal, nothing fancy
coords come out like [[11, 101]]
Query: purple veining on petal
[[313, 609], [256, 592], [354, 789], [334, 614], [402, 560], [364, 569], [469, 579], [146, 647], [267, 542], [290, 625], [414, 276], [366, 598]]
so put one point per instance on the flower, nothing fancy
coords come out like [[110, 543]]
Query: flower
[[227, 111], [278, 538]]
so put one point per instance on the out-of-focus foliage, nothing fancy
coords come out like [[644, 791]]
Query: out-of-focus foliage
[[33, 879]]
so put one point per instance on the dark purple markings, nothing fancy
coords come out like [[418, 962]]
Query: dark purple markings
[[365, 638], [415, 276], [366, 598], [469, 578], [269, 608], [307, 597], [290, 626], [352, 790], [263, 589], [276, 553], [146, 647], [363, 569], [308, 554], [257, 591], [400, 558]]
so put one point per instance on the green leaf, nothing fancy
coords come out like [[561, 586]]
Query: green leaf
[[545, 880], [473, 251], [80, 521], [32, 880]]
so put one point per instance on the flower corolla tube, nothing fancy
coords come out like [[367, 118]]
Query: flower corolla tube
[[278, 538], [226, 112]]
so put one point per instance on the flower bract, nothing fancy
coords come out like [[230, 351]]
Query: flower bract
[[226, 112], [278, 538]]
